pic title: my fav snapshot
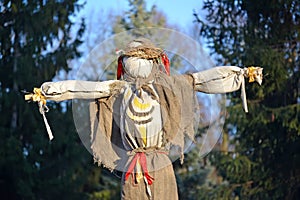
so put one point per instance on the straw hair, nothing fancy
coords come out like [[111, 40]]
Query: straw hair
[[142, 48], [144, 52]]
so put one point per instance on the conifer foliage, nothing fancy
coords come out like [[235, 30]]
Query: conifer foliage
[[37, 39], [264, 159]]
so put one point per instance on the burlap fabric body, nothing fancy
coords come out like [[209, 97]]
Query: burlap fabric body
[[177, 101], [178, 105]]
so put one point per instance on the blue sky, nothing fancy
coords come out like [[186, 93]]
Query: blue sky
[[178, 12]]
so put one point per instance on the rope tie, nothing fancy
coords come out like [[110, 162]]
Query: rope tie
[[37, 96]]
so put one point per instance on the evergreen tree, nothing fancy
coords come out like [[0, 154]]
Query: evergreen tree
[[37, 39], [265, 161], [138, 17]]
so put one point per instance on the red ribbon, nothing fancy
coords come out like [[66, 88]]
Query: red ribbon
[[166, 63], [142, 157], [120, 71]]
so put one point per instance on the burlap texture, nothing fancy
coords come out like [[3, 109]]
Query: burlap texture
[[178, 106]]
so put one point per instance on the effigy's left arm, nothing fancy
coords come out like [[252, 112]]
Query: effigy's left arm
[[226, 79]]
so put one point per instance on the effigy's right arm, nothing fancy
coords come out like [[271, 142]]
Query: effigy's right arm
[[73, 89]]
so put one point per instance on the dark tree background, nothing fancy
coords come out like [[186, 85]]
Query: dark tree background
[[37, 39], [264, 158]]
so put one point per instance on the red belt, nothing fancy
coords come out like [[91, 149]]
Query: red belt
[[142, 158]]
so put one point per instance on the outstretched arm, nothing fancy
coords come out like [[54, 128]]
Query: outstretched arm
[[73, 89], [226, 79], [65, 90]]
